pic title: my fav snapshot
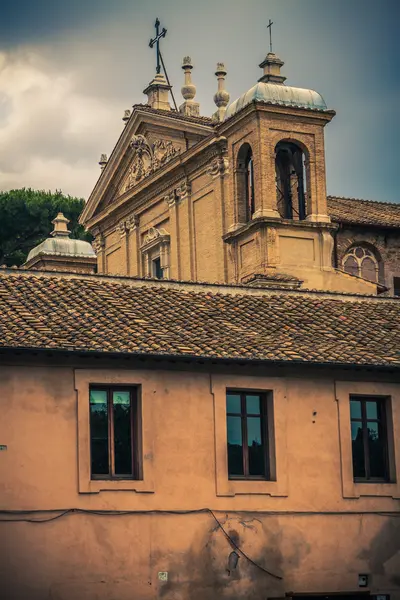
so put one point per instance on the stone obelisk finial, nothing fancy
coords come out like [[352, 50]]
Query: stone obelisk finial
[[221, 98], [103, 161], [60, 226], [188, 90]]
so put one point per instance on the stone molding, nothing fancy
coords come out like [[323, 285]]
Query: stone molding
[[98, 244], [155, 235], [156, 243], [127, 225], [178, 194], [148, 158], [219, 167]]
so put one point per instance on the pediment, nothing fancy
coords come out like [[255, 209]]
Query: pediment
[[147, 157], [148, 143]]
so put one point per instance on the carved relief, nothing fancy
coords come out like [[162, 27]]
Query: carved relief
[[156, 244], [121, 228], [178, 194], [98, 244], [148, 158], [218, 167], [154, 234], [183, 190], [127, 225], [170, 198]]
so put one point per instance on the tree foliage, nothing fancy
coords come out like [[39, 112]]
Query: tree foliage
[[25, 221]]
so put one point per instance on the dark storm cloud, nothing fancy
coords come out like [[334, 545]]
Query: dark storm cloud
[[27, 21], [68, 69]]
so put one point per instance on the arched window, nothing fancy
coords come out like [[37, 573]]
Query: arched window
[[291, 181], [361, 261], [245, 183], [249, 165]]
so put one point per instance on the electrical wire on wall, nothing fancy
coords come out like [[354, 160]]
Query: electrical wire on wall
[[28, 516]]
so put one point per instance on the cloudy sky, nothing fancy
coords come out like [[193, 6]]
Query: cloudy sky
[[68, 69]]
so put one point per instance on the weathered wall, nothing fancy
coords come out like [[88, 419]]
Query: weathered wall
[[108, 557], [386, 244]]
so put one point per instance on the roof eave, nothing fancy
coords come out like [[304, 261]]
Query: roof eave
[[200, 359]]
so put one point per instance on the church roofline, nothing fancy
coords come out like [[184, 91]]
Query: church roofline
[[140, 112], [270, 107], [196, 286], [162, 173], [201, 120], [364, 213]]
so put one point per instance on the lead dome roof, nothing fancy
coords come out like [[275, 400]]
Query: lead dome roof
[[61, 244], [279, 94], [271, 89]]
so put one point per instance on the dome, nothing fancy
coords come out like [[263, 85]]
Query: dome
[[281, 95], [59, 246], [61, 253]]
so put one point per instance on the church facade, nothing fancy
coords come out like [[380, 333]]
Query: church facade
[[238, 199], [216, 412]]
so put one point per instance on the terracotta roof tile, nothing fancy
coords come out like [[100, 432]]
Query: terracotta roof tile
[[102, 314], [175, 115], [364, 212]]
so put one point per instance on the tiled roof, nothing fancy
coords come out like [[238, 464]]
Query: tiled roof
[[107, 315], [364, 212], [175, 115]]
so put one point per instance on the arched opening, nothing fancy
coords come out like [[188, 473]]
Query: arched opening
[[291, 181], [363, 262], [245, 184]]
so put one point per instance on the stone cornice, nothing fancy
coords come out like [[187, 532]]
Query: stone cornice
[[301, 115], [159, 181], [138, 116], [231, 236]]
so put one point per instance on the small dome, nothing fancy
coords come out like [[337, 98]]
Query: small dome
[[281, 95], [63, 246]]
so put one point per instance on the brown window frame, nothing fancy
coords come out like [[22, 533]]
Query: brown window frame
[[382, 421], [264, 434], [135, 424]]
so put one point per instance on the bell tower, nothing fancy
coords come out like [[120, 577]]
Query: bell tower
[[277, 219]]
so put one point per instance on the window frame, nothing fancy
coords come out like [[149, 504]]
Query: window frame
[[157, 259], [381, 402], [264, 433], [143, 381], [275, 390], [359, 489], [368, 254], [134, 425]]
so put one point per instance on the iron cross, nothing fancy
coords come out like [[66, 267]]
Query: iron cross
[[269, 26], [159, 35]]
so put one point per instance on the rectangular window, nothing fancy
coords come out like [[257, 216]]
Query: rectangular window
[[157, 270], [369, 438], [247, 434], [114, 446]]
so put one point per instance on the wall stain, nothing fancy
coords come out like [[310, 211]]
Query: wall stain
[[384, 546], [205, 570]]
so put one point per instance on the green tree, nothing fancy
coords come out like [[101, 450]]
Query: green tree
[[25, 221]]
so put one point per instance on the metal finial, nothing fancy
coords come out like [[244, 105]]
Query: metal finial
[[269, 26], [156, 41]]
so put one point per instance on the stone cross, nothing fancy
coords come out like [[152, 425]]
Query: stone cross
[[156, 41]]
